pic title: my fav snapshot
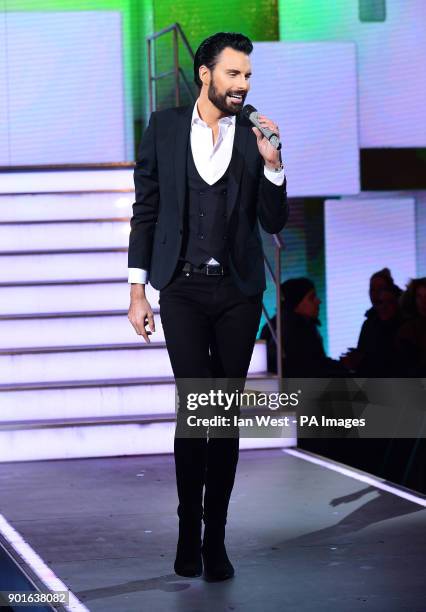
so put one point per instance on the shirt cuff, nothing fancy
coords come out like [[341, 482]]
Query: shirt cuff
[[137, 275], [275, 177]]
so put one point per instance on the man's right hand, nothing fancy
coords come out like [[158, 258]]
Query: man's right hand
[[140, 313]]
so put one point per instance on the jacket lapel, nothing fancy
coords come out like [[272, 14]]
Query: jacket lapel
[[237, 162], [181, 141]]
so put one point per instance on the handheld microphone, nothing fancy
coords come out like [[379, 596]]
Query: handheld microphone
[[253, 116]]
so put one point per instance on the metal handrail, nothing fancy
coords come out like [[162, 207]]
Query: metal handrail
[[174, 26], [268, 321], [177, 71], [276, 278]]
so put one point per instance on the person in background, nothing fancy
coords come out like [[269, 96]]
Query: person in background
[[411, 337], [380, 280], [377, 341], [303, 349]]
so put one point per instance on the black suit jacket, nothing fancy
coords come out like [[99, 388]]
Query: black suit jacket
[[160, 184]]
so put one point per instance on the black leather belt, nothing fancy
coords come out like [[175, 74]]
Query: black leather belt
[[208, 269]]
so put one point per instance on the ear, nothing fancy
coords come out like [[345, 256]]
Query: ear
[[204, 74]]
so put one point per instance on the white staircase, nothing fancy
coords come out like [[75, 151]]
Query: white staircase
[[75, 379]]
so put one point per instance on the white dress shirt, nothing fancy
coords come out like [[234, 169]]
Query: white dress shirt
[[211, 161]]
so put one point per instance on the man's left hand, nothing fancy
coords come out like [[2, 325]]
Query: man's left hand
[[270, 155]]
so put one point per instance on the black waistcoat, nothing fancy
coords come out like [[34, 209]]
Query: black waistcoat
[[205, 217]]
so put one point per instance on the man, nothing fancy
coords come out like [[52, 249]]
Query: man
[[303, 348], [380, 280], [203, 179], [377, 352]]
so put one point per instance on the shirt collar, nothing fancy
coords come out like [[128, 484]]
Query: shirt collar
[[229, 120]]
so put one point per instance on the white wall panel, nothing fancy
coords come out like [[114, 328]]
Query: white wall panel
[[391, 61], [310, 90], [65, 87], [4, 104], [362, 236]]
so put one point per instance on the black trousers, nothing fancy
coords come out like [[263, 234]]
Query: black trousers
[[210, 329]]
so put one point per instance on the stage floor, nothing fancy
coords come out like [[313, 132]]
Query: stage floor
[[301, 537]]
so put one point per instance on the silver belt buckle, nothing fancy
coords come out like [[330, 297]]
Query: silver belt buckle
[[218, 273]]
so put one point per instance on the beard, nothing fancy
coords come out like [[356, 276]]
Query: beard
[[222, 102]]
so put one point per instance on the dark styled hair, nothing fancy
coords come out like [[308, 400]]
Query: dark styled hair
[[408, 298], [385, 274], [293, 290], [207, 53]]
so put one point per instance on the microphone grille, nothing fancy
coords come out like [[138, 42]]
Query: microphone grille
[[248, 110]]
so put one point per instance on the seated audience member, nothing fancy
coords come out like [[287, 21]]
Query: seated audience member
[[377, 341], [304, 355], [379, 281], [411, 337]]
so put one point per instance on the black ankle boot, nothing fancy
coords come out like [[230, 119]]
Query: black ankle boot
[[220, 475], [217, 565], [190, 459], [188, 554]]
